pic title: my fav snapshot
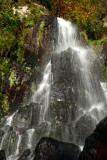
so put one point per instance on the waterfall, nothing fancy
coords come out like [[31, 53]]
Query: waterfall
[[69, 101], [41, 96], [85, 57], [85, 91]]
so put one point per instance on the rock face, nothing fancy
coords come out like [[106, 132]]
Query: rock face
[[96, 144], [2, 155], [69, 101], [36, 50], [104, 52], [50, 149], [40, 42]]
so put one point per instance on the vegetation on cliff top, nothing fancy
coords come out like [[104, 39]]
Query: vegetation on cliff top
[[88, 14], [15, 27]]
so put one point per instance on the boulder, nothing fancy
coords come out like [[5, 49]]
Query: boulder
[[96, 144], [2, 155], [51, 149], [84, 127], [25, 155]]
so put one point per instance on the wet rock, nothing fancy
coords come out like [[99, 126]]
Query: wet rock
[[21, 130], [26, 117], [96, 144], [47, 38], [50, 149], [64, 90], [25, 155], [104, 52], [63, 112], [11, 128], [1, 133], [11, 141], [63, 133], [84, 127], [2, 155]]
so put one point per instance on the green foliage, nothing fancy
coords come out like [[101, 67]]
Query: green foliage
[[12, 78], [94, 29], [31, 18], [87, 14], [104, 70], [40, 33], [14, 31], [97, 42], [46, 3], [33, 87], [4, 104]]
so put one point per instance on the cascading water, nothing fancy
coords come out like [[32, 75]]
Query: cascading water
[[69, 101], [85, 57], [90, 99], [30, 135], [42, 94]]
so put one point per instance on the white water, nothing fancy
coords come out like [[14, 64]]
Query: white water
[[81, 148], [30, 138], [104, 87], [3, 139], [68, 38], [9, 121], [15, 155], [42, 94], [18, 144], [66, 35]]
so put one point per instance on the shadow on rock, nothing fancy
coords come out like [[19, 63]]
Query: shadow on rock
[[50, 149], [96, 144], [2, 155], [25, 154]]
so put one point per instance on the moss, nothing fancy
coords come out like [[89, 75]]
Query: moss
[[4, 104], [11, 141], [97, 42], [12, 78], [12, 138], [83, 34], [40, 33], [57, 106], [104, 70], [23, 120], [33, 88], [61, 104]]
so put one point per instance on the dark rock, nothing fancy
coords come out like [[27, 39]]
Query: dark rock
[[32, 47], [2, 155], [11, 128], [50, 149], [96, 144], [26, 117], [10, 141], [63, 133], [25, 155], [1, 133], [104, 52], [84, 127]]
